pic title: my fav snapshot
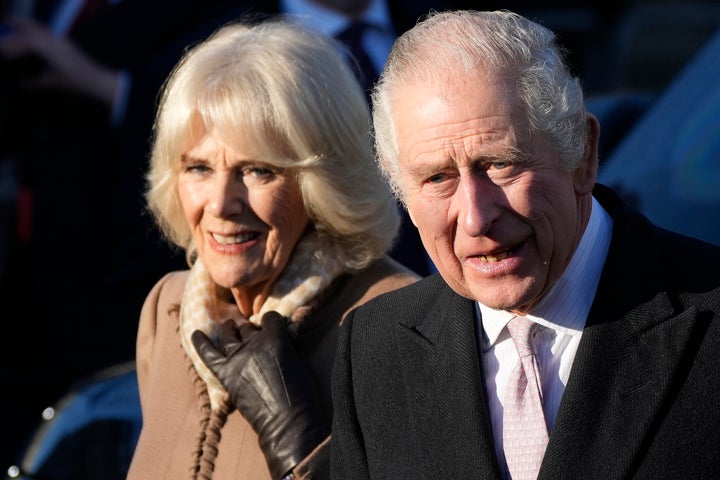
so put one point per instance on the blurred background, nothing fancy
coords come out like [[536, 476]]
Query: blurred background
[[78, 254]]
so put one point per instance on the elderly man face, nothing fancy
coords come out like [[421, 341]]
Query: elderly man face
[[498, 215]]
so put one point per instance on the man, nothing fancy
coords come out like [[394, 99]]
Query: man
[[482, 132]]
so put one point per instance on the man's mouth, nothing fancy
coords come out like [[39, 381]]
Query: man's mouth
[[495, 257], [234, 239]]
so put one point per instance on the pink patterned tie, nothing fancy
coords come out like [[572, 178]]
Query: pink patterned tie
[[525, 434]]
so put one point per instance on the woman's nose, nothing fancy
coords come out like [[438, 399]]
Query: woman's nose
[[227, 196]]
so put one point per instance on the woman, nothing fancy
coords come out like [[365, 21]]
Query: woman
[[262, 171]]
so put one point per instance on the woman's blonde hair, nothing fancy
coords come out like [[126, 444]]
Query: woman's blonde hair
[[288, 93]]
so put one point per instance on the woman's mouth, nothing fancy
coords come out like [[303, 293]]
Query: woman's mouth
[[234, 239]]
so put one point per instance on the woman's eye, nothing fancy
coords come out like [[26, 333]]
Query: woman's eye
[[259, 172], [197, 168]]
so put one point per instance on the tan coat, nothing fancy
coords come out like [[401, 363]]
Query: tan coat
[[171, 390]]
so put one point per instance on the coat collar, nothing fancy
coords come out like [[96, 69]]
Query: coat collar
[[622, 375], [631, 352], [445, 378]]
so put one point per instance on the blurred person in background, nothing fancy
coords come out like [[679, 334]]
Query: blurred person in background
[[81, 255]]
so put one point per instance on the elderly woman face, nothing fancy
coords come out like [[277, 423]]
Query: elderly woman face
[[245, 215]]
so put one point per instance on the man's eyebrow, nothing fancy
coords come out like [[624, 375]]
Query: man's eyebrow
[[513, 155], [423, 167]]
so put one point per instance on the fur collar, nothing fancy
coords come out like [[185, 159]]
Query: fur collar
[[310, 270]]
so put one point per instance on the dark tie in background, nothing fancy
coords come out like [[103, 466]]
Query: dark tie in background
[[362, 65], [408, 248]]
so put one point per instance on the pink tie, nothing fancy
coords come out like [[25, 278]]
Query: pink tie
[[525, 434]]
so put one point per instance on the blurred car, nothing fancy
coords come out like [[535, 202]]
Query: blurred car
[[668, 165], [89, 434]]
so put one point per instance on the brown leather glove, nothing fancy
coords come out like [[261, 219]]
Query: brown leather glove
[[270, 386]]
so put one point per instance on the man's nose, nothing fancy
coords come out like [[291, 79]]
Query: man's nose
[[476, 204]]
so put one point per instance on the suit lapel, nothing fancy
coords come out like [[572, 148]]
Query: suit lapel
[[621, 378], [448, 405], [632, 346]]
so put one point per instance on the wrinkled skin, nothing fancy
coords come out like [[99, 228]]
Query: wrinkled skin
[[498, 215]]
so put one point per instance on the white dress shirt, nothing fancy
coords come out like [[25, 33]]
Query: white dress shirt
[[561, 313]]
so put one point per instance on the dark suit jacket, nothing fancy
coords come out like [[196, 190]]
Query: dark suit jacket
[[641, 400]]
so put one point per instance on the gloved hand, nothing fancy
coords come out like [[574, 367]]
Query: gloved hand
[[270, 386]]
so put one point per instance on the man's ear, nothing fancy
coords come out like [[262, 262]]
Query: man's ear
[[585, 175]]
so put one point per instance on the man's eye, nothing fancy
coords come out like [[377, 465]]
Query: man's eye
[[499, 165], [437, 178]]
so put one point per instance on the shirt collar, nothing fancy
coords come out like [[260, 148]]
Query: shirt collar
[[568, 302], [331, 22]]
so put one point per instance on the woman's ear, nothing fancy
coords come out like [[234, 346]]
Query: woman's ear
[[585, 175]]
